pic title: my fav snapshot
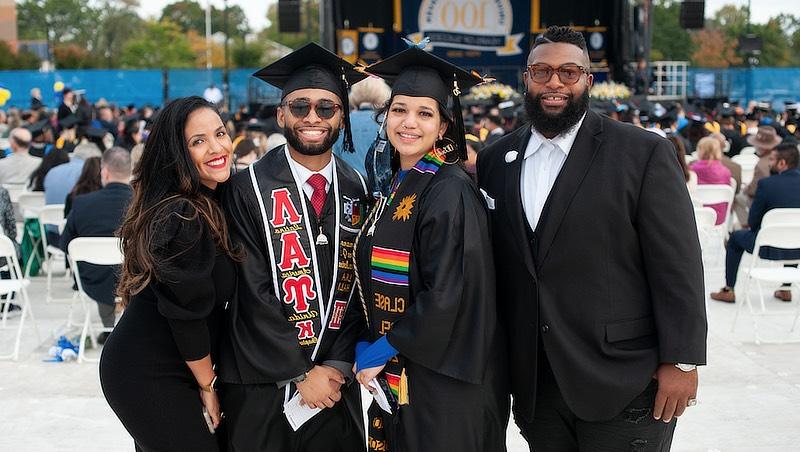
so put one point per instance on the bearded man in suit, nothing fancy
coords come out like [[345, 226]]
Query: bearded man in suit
[[599, 271]]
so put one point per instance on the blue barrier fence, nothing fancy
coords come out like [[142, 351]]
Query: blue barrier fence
[[141, 87], [770, 84], [125, 87]]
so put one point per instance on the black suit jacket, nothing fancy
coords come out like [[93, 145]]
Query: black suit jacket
[[97, 214], [611, 280]]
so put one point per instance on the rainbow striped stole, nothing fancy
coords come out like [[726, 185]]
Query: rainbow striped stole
[[390, 266]]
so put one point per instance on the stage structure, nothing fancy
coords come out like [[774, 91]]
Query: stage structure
[[493, 36]]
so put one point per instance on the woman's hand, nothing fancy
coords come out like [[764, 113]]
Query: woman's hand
[[211, 402], [365, 376]]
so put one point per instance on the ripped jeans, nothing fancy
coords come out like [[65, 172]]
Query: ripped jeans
[[556, 428]]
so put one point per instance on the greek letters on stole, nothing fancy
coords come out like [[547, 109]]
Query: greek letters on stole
[[315, 313]]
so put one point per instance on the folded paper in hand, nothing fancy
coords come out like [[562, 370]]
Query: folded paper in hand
[[298, 414]]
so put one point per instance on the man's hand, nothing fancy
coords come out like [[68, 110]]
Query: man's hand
[[675, 388], [364, 376], [317, 390]]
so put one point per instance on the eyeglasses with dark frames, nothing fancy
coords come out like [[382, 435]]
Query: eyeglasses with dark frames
[[300, 108], [569, 74]]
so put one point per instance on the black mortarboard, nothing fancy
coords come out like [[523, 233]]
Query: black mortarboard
[[313, 66], [68, 122], [38, 127], [417, 73], [256, 126]]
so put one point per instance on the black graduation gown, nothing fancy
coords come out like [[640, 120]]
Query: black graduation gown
[[261, 347], [449, 336]]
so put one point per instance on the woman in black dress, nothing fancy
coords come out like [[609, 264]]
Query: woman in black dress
[[426, 278], [157, 368]]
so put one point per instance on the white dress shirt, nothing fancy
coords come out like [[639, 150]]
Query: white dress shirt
[[304, 173], [541, 165]]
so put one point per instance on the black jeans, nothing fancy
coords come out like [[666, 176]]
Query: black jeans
[[556, 428]]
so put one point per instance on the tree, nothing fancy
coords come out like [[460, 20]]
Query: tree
[[199, 45], [714, 49], [72, 56], [162, 45], [23, 59], [64, 20], [248, 54], [118, 24], [309, 18], [670, 41], [187, 14], [190, 15], [733, 21]]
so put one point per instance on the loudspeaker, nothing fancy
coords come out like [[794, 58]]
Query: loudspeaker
[[289, 16], [693, 14], [750, 44]]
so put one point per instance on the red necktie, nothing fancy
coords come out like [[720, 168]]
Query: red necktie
[[318, 182]]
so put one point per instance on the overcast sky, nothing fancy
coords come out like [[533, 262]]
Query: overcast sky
[[256, 10]]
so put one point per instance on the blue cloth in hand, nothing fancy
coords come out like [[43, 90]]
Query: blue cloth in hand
[[374, 355]]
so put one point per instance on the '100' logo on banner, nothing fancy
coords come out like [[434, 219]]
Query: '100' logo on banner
[[469, 24]]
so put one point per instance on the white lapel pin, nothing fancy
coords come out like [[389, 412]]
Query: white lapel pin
[[511, 156]]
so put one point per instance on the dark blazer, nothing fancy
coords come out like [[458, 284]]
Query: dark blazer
[[611, 280], [97, 214], [774, 192]]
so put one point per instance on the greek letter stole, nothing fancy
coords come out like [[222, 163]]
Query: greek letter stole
[[391, 224], [316, 312]]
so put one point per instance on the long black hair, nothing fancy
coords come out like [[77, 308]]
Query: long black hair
[[165, 174]]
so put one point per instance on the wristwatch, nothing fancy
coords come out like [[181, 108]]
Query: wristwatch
[[686, 367], [212, 387]]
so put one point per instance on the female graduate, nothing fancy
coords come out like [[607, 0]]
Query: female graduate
[[425, 275]]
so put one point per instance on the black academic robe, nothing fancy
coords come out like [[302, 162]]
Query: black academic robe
[[448, 335], [261, 348]]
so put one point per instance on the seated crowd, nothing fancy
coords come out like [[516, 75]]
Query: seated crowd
[[81, 155]]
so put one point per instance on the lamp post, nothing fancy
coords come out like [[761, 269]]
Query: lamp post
[[225, 80]]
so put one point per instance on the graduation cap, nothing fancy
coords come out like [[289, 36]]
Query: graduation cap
[[256, 126], [38, 127], [68, 122], [313, 66], [764, 105], [417, 73]]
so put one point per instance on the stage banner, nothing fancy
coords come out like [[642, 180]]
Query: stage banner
[[496, 31]]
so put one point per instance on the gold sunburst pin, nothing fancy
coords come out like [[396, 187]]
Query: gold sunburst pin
[[403, 211]]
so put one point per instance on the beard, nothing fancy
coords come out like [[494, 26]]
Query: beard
[[555, 124], [297, 144]]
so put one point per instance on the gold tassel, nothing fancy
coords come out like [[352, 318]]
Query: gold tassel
[[402, 397]]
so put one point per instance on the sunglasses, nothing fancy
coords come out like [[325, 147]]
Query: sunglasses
[[569, 74], [300, 108]]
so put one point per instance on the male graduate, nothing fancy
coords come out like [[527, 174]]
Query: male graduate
[[599, 271], [292, 326]]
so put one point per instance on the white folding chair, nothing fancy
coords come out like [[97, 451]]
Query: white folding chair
[[748, 163], [97, 251], [52, 214], [15, 284], [781, 216], [705, 217], [14, 190], [716, 194], [786, 236]]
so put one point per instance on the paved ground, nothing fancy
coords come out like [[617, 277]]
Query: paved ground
[[748, 394]]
